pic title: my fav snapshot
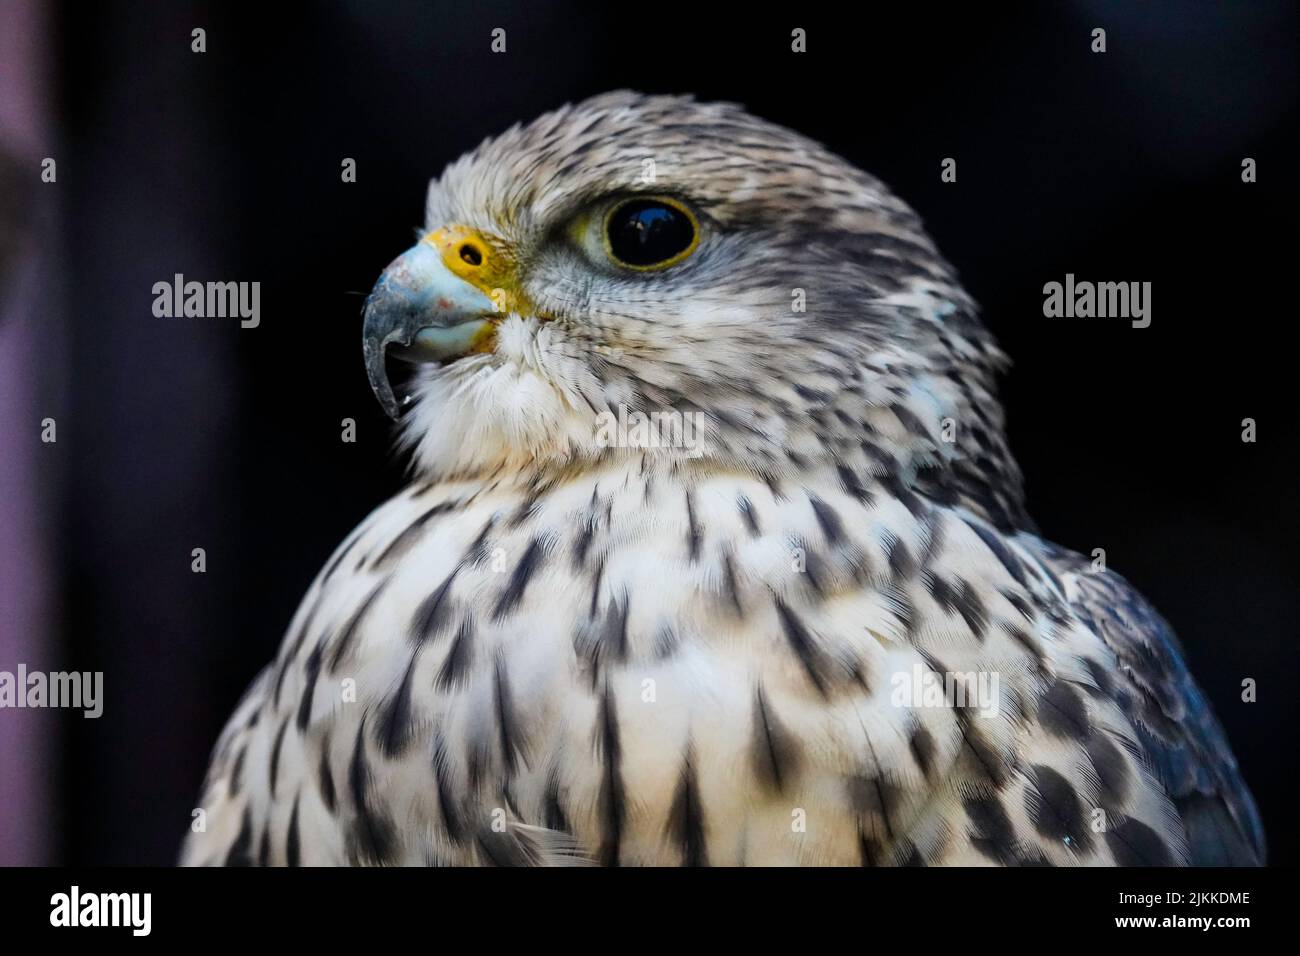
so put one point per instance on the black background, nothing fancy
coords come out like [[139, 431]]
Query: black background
[[184, 433]]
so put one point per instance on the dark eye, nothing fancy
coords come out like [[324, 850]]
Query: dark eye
[[650, 233]]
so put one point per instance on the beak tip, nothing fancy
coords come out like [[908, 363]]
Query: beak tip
[[378, 377]]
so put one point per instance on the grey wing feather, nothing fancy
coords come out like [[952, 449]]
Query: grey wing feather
[[1180, 736]]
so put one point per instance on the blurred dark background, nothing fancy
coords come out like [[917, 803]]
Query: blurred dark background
[[175, 434]]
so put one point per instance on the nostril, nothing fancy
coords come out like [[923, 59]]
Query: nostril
[[470, 254]]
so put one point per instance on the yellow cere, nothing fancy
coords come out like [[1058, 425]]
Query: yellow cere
[[480, 261]]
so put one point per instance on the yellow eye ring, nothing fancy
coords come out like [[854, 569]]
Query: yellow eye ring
[[649, 233]]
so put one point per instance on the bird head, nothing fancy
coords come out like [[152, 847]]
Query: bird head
[[636, 259]]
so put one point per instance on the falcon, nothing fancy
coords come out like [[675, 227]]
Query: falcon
[[714, 552]]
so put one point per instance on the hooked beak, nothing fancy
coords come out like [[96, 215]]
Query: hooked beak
[[423, 312]]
